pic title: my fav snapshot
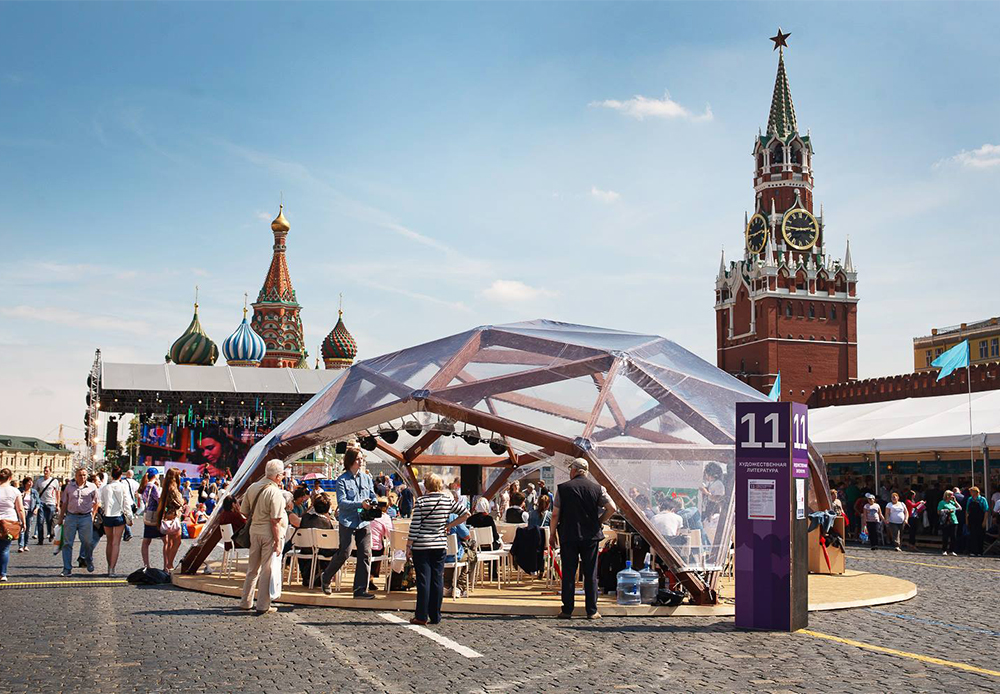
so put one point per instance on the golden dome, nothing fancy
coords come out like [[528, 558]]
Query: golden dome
[[280, 223]]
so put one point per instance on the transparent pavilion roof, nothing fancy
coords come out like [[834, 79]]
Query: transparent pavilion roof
[[656, 421]]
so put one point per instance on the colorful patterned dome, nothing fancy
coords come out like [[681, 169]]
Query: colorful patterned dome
[[339, 348], [194, 346], [244, 347]]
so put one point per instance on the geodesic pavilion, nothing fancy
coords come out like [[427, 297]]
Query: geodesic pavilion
[[655, 421]]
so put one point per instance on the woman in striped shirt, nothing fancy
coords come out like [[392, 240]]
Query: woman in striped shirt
[[427, 544]]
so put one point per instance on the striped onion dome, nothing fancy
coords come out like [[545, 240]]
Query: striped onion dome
[[339, 348], [244, 347], [194, 346]]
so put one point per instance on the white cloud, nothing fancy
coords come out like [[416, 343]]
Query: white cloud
[[69, 318], [642, 107], [606, 196], [263, 216], [984, 157], [507, 291]]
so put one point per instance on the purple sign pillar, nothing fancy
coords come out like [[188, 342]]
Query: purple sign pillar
[[772, 471]]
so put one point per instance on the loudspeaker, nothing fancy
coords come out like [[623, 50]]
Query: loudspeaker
[[472, 480], [111, 438]]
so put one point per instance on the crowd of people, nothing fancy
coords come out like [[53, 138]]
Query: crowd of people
[[362, 508], [106, 504], [893, 517]]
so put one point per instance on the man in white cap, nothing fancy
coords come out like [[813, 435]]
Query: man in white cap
[[268, 520], [580, 508]]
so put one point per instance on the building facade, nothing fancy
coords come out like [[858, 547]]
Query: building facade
[[786, 304], [983, 337], [27, 457]]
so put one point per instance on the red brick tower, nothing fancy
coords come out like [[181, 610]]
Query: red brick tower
[[276, 311], [786, 305]]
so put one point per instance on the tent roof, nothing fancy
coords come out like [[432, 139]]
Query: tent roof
[[213, 379], [934, 423]]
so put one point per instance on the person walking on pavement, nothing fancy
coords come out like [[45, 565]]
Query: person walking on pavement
[[149, 492], [49, 495], [873, 520], [12, 517], [580, 508], [948, 521], [133, 489], [268, 521], [30, 503], [77, 509], [975, 519], [355, 491], [896, 514], [117, 506]]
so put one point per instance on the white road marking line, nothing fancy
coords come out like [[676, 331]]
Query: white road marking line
[[433, 636]]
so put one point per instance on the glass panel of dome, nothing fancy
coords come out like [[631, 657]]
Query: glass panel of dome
[[669, 355], [688, 502], [587, 336]]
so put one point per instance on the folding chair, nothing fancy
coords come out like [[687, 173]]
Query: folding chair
[[302, 547], [323, 540]]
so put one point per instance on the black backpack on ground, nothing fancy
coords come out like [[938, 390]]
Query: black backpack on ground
[[148, 577], [609, 562]]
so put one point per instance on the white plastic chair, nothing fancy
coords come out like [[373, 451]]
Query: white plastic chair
[[229, 554], [302, 547], [323, 540], [484, 538], [455, 566], [397, 540]]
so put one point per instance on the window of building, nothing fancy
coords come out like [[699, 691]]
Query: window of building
[[812, 311], [833, 313], [937, 352], [788, 309], [929, 358], [995, 347], [983, 353]]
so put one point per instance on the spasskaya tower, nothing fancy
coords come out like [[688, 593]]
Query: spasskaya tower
[[786, 305]]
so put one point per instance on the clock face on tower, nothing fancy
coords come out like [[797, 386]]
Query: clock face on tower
[[756, 233], [800, 229]]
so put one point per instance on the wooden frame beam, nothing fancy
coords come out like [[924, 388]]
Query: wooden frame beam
[[471, 393], [677, 405]]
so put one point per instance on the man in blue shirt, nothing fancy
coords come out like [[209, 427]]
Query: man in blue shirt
[[355, 491]]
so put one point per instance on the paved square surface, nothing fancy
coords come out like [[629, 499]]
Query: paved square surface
[[149, 639]]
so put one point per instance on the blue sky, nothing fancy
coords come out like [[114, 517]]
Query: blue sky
[[449, 165]]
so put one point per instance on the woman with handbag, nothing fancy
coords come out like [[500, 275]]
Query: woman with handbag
[[946, 509], [149, 494], [11, 519], [169, 515], [117, 506], [427, 545]]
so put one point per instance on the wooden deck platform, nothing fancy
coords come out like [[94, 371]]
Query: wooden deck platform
[[532, 598]]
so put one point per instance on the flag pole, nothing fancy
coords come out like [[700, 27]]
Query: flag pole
[[972, 450]]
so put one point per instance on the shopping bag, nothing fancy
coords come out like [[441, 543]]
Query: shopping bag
[[275, 587], [57, 533], [863, 536]]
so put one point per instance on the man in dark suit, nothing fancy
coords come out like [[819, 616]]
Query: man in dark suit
[[580, 508]]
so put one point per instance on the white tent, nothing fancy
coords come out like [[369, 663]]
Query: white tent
[[937, 423]]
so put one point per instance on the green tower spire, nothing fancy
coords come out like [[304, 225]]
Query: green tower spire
[[781, 121]]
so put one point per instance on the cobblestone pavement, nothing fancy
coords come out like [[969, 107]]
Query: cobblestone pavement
[[128, 639]]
